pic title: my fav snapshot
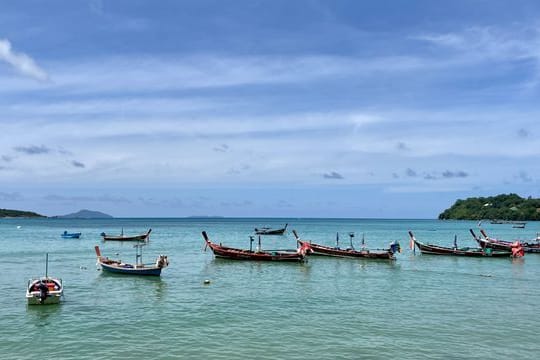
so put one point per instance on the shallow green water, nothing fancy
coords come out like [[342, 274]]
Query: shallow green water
[[418, 307]]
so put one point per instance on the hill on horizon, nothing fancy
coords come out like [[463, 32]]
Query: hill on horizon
[[85, 214]]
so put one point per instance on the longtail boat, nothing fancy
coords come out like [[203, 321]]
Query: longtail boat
[[139, 268], [221, 251], [270, 231], [122, 237], [492, 243], [458, 251], [44, 290], [351, 252]]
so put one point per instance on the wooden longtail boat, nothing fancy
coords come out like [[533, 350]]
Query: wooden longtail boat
[[118, 267], [336, 251], [491, 243], [67, 235], [269, 231], [122, 237], [221, 251], [45, 290], [455, 251]]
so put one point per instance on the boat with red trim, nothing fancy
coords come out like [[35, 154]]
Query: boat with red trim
[[529, 247], [44, 290], [351, 252], [258, 254]]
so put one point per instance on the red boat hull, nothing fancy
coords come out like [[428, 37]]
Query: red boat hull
[[323, 250], [241, 254]]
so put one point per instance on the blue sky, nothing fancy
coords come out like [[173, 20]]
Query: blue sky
[[267, 108]]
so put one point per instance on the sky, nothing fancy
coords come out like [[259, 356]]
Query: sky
[[357, 109]]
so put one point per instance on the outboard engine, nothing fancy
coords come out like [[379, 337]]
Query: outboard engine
[[43, 292], [162, 261], [395, 247]]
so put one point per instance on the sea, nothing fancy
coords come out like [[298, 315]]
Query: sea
[[416, 307]]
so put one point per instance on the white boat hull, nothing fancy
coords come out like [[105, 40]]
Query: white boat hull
[[34, 299]]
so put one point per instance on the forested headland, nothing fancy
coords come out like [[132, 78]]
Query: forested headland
[[501, 207]]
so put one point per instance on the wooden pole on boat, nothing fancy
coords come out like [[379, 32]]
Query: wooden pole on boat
[[251, 240], [138, 255], [46, 265], [259, 249], [337, 240]]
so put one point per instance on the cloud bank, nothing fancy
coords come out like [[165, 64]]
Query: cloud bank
[[21, 62]]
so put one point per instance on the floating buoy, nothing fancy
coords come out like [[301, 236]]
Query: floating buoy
[[206, 282], [19, 226]]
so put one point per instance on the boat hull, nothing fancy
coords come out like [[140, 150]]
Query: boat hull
[[430, 249], [71, 236], [33, 299], [270, 232], [141, 237], [130, 269], [322, 250], [249, 255], [239, 254], [266, 231]]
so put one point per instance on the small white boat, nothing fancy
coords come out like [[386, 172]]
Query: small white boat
[[44, 290]]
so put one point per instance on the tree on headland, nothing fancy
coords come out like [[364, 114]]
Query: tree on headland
[[500, 207], [18, 213]]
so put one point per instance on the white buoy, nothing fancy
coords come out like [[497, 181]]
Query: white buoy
[[206, 282], [19, 226]]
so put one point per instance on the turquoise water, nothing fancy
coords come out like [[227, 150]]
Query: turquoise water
[[418, 307]]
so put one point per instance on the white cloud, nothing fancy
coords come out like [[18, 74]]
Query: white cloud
[[489, 42], [22, 62], [127, 75], [476, 45]]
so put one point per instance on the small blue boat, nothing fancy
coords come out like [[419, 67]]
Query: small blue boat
[[67, 235]]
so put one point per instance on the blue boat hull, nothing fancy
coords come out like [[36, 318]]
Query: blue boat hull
[[71, 236], [130, 270]]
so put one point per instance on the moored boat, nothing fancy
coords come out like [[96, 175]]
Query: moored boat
[[270, 231], [351, 252], [488, 242], [221, 251], [67, 235], [432, 249], [44, 290], [122, 237], [139, 268]]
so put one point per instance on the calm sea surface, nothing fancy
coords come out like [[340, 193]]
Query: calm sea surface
[[418, 307]]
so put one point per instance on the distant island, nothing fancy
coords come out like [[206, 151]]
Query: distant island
[[205, 217], [501, 207], [19, 213], [85, 214]]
